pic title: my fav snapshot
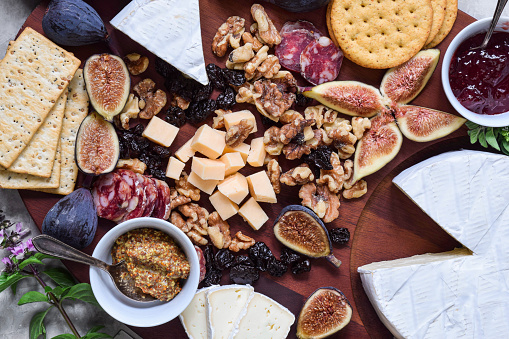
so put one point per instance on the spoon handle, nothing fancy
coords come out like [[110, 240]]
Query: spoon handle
[[496, 16], [51, 246]]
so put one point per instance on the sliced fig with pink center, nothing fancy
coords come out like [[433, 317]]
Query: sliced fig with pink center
[[425, 124], [349, 97], [377, 147], [403, 83], [325, 312]]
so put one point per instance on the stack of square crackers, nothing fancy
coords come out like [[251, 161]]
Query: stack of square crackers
[[43, 100], [386, 33]]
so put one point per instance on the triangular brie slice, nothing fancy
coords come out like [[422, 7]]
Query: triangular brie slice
[[168, 28], [463, 293]]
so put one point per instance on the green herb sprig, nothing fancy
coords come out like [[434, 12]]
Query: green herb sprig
[[496, 137], [25, 262]]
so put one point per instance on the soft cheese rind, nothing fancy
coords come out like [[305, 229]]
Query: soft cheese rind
[[226, 305], [194, 317], [265, 318]]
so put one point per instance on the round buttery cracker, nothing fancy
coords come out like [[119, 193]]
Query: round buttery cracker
[[438, 18], [381, 33], [329, 26], [451, 11]]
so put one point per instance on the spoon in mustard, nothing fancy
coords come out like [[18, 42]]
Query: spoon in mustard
[[118, 272], [496, 16]]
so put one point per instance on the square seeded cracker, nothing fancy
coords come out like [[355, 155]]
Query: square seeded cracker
[[38, 157], [76, 109], [33, 75]]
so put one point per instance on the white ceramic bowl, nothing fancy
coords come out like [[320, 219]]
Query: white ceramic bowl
[[132, 312], [496, 120]]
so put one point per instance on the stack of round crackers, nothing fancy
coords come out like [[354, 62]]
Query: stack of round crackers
[[386, 33]]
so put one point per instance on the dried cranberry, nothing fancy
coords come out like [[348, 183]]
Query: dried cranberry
[[301, 266], [339, 236], [224, 259], [243, 274]]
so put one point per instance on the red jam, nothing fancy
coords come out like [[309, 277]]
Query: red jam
[[480, 78]]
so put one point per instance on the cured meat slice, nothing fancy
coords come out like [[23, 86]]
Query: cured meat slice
[[151, 196], [291, 26], [291, 46], [162, 205], [201, 260], [138, 201], [111, 194], [321, 61]]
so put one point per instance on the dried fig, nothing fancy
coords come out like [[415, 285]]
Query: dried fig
[[403, 83], [349, 97], [377, 147], [425, 124], [325, 312]]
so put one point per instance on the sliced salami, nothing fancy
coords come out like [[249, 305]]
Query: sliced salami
[[162, 205], [321, 61], [151, 196], [137, 203], [291, 26], [291, 46], [111, 194]]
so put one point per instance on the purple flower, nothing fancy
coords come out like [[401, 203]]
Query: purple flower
[[29, 246], [17, 250], [18, 227], [7, 261], [2, 235]]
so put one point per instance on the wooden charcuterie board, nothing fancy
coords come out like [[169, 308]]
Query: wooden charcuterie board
[[384, 224]]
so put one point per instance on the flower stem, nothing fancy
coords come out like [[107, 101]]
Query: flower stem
[[56, 302]]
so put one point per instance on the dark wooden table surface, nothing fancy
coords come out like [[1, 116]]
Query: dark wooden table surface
[[384, 224]]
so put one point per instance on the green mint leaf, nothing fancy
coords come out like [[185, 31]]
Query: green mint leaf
[[37, 325], [57, 291], [7, 280], [47, 289], [491, 139], [41, 256], [505, 146], [32, 297], [65, 336], [471, 125], [474, 134], [82, 292], [28, 261], [14, 287], [60, 276], [95, 329], [482, 140]]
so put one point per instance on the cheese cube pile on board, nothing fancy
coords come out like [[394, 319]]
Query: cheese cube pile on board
[[235, 311]]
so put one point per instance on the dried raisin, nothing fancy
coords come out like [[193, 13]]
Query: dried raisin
[[226, 99], [260, 254], [176, 116], [224, 259], [339, 236], [289, 256], [243, 274], [301, 266], [276, 268], [234, 77]]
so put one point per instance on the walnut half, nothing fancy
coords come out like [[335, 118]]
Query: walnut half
[[322, 201], [219, 231], [266, 29], [154, 101], [229, 33], [237, 133], [241, 242]]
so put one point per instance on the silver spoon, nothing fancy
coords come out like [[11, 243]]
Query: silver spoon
[[118, 272], [498, 11]]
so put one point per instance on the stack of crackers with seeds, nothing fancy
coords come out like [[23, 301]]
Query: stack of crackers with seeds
[[43, 100], [386, 33]]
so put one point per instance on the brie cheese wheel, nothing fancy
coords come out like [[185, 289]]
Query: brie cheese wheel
[[168, 28], [194, 317], [265, 318], [462, 293], [226, 305]]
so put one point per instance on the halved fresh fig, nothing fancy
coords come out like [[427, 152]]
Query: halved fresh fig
[[377, 147], [425, 124], [97, 148], [108, 84], [299, 228], [349, 97], [325, 312], [403, 83]]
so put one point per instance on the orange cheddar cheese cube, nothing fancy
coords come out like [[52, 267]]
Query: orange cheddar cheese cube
[[234, 118], [208, 142], [208, 169], [174, 168], [224, 206], [261, 188], [206, 186], [160, 132], [252, 212], [256, 153], [233, 162], [185, 152], [243, 149], [235, 187]]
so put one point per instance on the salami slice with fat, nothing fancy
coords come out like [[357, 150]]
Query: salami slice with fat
[[291, 46], [320, 61], [111, 195], [139, 200], [291, 26], [162, 205]]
